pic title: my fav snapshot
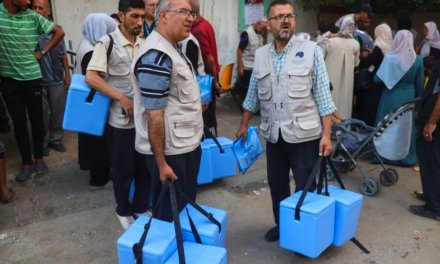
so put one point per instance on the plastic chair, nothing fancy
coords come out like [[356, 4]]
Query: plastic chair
[[226, 78]]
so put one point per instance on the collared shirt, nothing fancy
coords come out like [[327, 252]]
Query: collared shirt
[[320, 88], [46, 62], [148, 30], [99, 59], [19, 35]]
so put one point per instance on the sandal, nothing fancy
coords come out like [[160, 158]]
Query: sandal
[[416, 168], [10, 200]]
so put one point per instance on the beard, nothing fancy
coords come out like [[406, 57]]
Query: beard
[[283, 36]]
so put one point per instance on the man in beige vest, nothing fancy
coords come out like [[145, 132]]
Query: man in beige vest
[[167, 105], [127, 163], [253, 38], [290, 85]]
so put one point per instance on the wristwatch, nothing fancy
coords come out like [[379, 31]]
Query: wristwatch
[[43, 52]]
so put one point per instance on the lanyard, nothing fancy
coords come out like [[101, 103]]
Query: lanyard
[[147, 30]]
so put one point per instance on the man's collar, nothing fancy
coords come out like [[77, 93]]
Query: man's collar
[[287, 48], [123, 40]]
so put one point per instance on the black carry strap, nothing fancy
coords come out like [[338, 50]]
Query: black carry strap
[[208, 132], [109, 53], [137, 248], [193, 228], [322, 164]]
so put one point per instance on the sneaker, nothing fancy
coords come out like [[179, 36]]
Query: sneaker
[[108, 185], [147, 213], [58, 147], [24, 174], [41, 167], [273, 235], [45, 152], [126, 221], [424, 211]]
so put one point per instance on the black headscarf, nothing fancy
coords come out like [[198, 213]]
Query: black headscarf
[[404, 22]]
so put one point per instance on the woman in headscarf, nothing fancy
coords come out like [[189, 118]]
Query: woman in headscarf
[[404, 22], [371, 98], [93, 153], [341, 57], [431, 42], [402, 73]]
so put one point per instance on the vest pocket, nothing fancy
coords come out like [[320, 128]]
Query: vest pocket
[[188, 91], [115, 114], [120, 79], [265, 127], [299, 83], [183, 133], [307, 126], [264, 87]]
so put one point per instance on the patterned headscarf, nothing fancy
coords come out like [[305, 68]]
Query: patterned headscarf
[[383, 38], [398, 62], [348, 27], [432, 40], [97, 26]]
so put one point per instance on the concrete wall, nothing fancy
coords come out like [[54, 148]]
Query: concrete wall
[[223, 15]]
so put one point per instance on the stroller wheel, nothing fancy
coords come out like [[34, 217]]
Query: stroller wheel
[[329, 173], [369, 187], [376, 180], [388, 177], [395, 173]]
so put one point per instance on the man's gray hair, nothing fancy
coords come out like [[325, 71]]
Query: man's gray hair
[[162, 5]]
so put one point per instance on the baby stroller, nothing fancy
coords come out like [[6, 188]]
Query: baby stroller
[[390, 139]]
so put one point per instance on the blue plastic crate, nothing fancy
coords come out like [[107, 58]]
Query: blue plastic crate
[[200, 254], [208, 231], [348, 210], [81, 116], [150, 202], [223, 165], [314, 232], [159, 245], [205, 172]]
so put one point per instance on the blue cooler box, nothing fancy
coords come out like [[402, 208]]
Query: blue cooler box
[[207, 230], [315, 231], [200, 254], [150, 202], [205, 173], [348, 210], [159, 246], [81, 116], [223, 165]]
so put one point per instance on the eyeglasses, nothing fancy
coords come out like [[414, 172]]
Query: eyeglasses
[[185, 12], [152, 5], [282, 18]]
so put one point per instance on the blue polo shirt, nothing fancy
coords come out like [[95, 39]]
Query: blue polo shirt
[[46, 62]]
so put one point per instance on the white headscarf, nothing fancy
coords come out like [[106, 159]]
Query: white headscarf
[[383, 38], [398, 62], [348, 27], [432, 40], [98, 25]]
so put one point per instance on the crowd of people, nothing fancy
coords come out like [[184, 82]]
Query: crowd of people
[[145, 58]]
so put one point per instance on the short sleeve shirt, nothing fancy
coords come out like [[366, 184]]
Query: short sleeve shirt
[[204, 33], [19, 35], [46, 62]]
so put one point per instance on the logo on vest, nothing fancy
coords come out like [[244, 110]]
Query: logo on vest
[[299, 58], [300, 54]]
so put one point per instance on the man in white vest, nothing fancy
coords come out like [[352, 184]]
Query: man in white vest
[[290, 86], [167, 105], [127, 163], [253, 38]]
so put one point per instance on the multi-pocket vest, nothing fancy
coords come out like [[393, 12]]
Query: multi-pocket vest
[[254, 43]]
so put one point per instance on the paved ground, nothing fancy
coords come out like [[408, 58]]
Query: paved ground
[[56, 219]]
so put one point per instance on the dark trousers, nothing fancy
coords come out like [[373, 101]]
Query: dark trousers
[[4, 118], [20, 96], [186, 167], [283, 156], [128, 164], [429, 162], [245, 81], [99, 176]]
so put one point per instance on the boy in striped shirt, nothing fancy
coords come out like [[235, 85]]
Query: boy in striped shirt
[[20, 30]]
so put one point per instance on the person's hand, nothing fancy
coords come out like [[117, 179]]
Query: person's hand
[[67, 81], [166, 172], [205, 107], [336, 120], [39, 56], [127, 104], [427, 132], [325, 146], [242, 132], [367, 49], [241, 71], [218, 89]]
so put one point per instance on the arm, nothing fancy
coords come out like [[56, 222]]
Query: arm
[[251, 105], [58, 35], [324, 101], [432, 122], [211, 69], [240, 68], [66, 68], [208, 59]]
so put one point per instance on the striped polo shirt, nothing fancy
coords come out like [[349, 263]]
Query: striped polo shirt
[[19, 35]]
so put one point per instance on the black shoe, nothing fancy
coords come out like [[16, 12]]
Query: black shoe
[[45, 152], [273, 235], [424, 211], [59, 147], [5, 128], [419, 195]]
